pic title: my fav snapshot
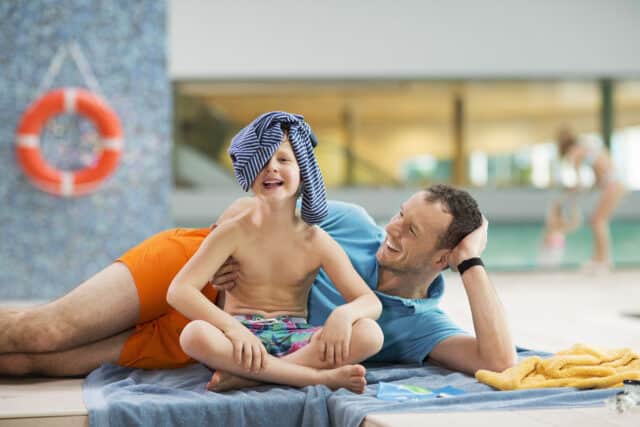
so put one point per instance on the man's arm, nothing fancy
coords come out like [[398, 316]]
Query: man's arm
[[492, 348]]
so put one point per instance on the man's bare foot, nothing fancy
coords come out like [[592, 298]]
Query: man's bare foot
[[224, 381], [350, 377]]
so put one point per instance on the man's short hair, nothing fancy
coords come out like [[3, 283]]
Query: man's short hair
[[464, 209]]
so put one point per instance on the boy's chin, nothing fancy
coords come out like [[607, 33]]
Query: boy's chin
[[277, 195]]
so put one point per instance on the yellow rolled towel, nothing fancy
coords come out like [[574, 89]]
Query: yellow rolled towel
[[580, 366]]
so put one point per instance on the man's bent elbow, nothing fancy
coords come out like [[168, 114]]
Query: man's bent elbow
[[499, 363]]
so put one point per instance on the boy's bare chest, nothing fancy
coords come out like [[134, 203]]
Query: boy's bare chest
[[277, 261]]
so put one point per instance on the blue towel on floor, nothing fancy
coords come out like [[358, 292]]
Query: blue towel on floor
[[347, 409], [117, 396], [123, 396]]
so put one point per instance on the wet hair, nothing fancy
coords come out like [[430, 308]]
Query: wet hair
[[459, 204]]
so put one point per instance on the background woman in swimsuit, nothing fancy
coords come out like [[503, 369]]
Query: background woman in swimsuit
[[578, 153]]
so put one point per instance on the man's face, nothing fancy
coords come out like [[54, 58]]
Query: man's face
[[412, 235]]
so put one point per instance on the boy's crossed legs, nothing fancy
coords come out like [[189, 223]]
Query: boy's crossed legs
[[303, 367]]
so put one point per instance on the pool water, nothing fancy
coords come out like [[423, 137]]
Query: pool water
[[517, 246]]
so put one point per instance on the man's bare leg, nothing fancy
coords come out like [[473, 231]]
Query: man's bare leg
[[74, 362], [206, 343], [104, 305], [366, 340]]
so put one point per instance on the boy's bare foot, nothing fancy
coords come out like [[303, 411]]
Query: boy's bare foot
[[350, 377], [224, 381]]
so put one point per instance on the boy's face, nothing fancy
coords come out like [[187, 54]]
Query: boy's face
[[281, 174]]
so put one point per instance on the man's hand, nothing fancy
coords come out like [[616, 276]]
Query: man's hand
[[248, 350], [226, 276], [471, 246], [335, 338]]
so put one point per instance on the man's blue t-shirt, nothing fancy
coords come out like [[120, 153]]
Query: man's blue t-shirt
[[411, 327]]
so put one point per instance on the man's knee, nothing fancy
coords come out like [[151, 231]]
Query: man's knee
[[369, 335]]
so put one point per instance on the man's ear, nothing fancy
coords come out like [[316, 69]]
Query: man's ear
[[441, 259]]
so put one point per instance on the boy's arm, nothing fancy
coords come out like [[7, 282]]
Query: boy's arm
[[361, 301], [185, 294], [225, 277], [335, 337]]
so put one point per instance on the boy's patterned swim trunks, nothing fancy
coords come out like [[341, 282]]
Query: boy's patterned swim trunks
[[280, 335]]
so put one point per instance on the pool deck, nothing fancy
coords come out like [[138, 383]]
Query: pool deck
[[547, 311]]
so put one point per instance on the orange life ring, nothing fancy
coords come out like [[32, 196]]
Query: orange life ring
[[59, 182]]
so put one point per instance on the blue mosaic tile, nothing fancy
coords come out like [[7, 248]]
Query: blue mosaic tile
[[48, 244]]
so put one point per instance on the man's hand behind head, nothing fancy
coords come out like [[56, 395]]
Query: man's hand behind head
[[471, 246]]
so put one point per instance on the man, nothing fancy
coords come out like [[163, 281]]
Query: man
[[403, 267], [93, 324]]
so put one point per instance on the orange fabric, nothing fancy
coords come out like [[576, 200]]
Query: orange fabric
[[156, 344], [153, 264]]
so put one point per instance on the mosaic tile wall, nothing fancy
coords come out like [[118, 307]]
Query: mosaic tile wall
[[49, 244]]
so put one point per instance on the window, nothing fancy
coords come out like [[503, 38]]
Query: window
[[410, 133]]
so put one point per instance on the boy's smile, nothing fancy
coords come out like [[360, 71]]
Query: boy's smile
[[270, 183], [280, 172]]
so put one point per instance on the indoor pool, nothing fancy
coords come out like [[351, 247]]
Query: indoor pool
[[517, 246]]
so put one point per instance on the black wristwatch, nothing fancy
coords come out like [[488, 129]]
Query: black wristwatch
[[468, 263]]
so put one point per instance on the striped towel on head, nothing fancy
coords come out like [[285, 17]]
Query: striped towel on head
[[257, 142]]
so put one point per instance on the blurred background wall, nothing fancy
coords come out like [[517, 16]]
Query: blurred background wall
[[289, 39], [50, 244]]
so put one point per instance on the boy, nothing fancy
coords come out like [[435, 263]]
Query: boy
[[281, 253]]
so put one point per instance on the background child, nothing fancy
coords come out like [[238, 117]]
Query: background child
[[563, 217]]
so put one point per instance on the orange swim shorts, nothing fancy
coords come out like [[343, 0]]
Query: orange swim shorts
[[153, 265]]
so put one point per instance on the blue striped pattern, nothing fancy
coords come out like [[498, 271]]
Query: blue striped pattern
[[256, 143]]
